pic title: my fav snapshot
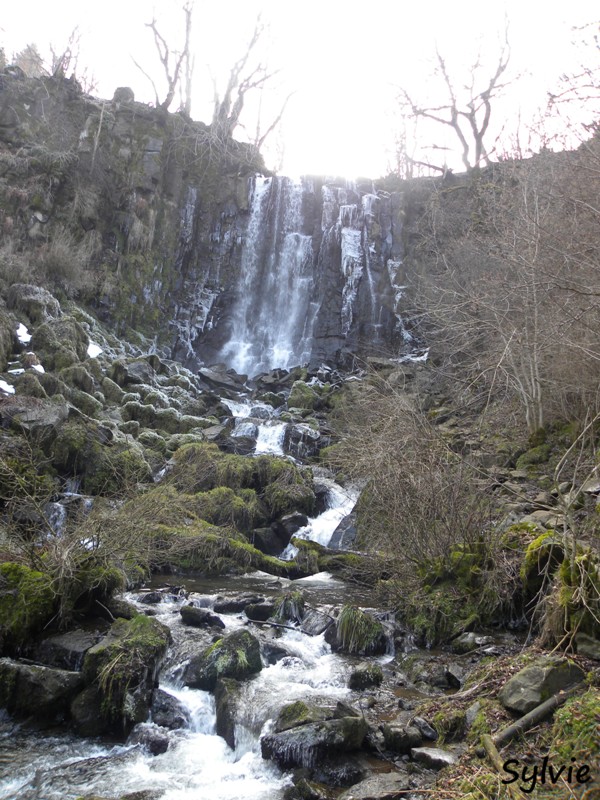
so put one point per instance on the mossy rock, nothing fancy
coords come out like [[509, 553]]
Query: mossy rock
[[303, 396], [236, 655], [535, 456], [124, 666], [290, 607], [33, 301], [85, 450], [29, 384], [299, 713], [153, 441], [27, 603], [271, 399], [358, 632], [77, 377], [201, 467], [223, 506], [542, 558], [575, 729], [365, 676], [60, 343], [85, 402], [112, 391]]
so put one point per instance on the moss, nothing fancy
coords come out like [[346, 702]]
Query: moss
[[223, 506], [537, 455], [543, 555], [127, 658], [203, 466], [290, 606], [359, 632], [27, 602], [576, 725]]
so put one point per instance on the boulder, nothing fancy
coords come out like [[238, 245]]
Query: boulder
[[44, 692], [537, 682], [168, 712], [432, 757], [34, 416], [344, 535], [260, 612], [227, 695], [33, 301], [233, 605], [200, 617], [467, 642], [86, 713], [66, 650], [427, 731], [60, 343], [125, 665], [383, 786], [236, 655], [299, 713], [357, 632], [307, 745], [365, 675], [401, 738], [151, 737], [150, 598], [587, 646], [301, 441], [315, 622]]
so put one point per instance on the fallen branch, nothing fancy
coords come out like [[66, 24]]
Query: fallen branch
[[530, 719], [494, 756]]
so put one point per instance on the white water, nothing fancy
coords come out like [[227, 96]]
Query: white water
[[270, 432], [320, 529], [198, 764], [274, 313]]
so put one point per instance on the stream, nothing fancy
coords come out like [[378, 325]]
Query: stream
[[53, 764]]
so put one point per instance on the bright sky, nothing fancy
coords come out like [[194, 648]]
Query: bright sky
[[343, 60]]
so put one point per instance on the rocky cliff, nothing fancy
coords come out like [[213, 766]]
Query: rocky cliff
[[161, 228]]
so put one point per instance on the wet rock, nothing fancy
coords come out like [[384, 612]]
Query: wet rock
[[289, 524], [150, 598], [66, 650], [307, 745], [227, 695], [238, 445], [236, 604], [301, 441], [455, 675], [357, 632], [467, 642], [221, 379], [152, 737], [127, 373], [36, 417], [537, 682], [168, 712], [365, 675], [401, 738], [385, 786], [345, 534], [426, 730], [86, 713], [236, 655], [268, 541], [315, 622], [45, 692], [200, 617], [260, 612], [432, 757], [340, 771]]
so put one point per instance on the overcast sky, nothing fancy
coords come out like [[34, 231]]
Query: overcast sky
[[344, 61]]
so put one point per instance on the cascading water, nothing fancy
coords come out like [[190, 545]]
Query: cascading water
[[273, 313]]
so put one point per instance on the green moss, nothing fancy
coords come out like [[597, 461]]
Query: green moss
[[223, 506], [290, 606], [576, 725], [358, 632], [27, 602], [537, 455], [544, 554]]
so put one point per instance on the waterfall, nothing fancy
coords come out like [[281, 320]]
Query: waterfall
[[273, 311]]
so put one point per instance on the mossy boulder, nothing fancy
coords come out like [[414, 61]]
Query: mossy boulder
[[227, 697], [537, 682], [401, 738], [299, 713], [304, 397], [308, 745], [27, 603], [32, 689], [534, 457], [542, 558], [124, 666], [60, 343], [77, 377], [29, 384], [357, 632], [33, 301], [290, 607], [365, 676], [236, 655]]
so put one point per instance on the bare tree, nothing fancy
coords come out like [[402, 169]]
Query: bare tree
[[467, 110], [173, 62]]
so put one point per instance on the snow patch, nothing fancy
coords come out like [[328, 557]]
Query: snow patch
[[6, 387], [23, 334], [94, 350]]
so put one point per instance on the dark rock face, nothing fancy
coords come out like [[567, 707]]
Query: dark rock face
[[167, 711], [66, 650], [307, 745], [42, 691], [345, 534], [150, 736], [200, 617], [227, 694]]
